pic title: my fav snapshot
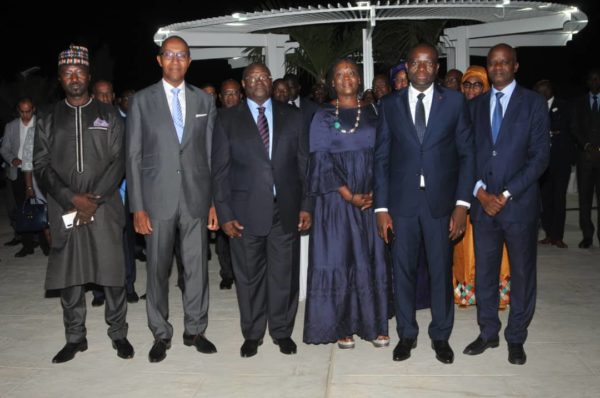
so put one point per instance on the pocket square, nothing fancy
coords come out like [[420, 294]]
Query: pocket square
[[200, 114], [100, 123]]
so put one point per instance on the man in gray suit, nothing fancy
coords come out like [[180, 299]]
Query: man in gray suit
[[169, 137]]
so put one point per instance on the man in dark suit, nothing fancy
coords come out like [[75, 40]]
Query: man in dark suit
[[555, 181], [306, 106], [169, 136], [586, 130], [423, 173], [259, 167], [512, 140]]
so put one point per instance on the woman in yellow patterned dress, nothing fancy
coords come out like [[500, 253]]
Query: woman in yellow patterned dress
[[474, 83]]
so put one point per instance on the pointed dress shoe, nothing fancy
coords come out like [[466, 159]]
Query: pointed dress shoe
[[69, 350], [250, 348], [97, 301], [226, 284], [201, 343], [132, 297], [124, 348], [586, 243], [158, 352], [286, 345], [560, 244], [545, 241], [516, 354], [443, 351], [480, 345], [25, 251], [403, 348]]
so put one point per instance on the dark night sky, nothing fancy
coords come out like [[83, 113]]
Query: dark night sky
[[33, 39]]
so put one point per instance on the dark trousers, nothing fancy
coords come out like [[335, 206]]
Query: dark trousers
[[72, 299], [554, 184], [410, 233], [159, 250], [266, 270], [224, 252], [588, 183], [521, 242]]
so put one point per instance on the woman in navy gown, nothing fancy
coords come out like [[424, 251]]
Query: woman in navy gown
[[347, 279]]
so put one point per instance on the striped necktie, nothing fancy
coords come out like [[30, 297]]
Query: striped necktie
[[263, 127], [177, 113]]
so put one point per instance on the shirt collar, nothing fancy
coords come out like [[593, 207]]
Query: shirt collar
[[254, 106], [413, 92], [168, 86], [31, 122], [507, 91]]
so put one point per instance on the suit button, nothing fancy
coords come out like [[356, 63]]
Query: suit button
[[178, 171], [490, 173], [494, 153], [181, 152]]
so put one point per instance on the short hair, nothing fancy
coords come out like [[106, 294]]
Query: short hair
[[103, 82], [230, 80], [292, 78], [170, 38], [424, 45], [506, 47], [25, 100], [254, 65]]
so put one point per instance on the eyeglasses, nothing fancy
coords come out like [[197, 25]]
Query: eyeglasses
[[259, 78], [170, 55], [469, 85]]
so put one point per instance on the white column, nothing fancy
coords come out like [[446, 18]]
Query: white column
[[275, 55], [367, 35]]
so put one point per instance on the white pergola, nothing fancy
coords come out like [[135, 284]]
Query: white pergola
[[518, 23]]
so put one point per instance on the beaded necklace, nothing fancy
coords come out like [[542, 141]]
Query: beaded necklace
[[337, 123]]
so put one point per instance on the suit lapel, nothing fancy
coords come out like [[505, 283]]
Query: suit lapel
[[278, 117], [485, 115], [252, 130], [436, 104], [511, 113], [405, 116], [163, 113], [191, 105]]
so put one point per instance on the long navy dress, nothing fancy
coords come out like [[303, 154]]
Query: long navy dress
[[347, 279]]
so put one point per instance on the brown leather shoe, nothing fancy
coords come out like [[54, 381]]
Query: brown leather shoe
[[545, 241]]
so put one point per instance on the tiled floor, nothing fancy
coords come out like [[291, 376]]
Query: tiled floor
[[563, 346]]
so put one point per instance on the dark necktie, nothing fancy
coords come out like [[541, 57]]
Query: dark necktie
[[497, 118], [263, 127], [595, 103], [420, 124]]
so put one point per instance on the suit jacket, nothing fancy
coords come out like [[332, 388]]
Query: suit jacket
[[518, 158], [244, 176], [10, 146], [562, 149], [159, 168], [585, 126], [446, 156], [308, 108]]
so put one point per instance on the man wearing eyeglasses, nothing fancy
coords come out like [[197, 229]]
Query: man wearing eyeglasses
[[169, 137], [259, 166]]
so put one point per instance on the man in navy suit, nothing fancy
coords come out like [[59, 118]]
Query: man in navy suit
[[423, 178], [511, 129]]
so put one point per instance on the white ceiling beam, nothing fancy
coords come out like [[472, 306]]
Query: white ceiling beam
[[538, 24], [528, 40]]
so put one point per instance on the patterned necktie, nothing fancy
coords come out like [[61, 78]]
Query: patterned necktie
[[263, 127], [177, 113], [420, 124], [595, 103], [497, 118]]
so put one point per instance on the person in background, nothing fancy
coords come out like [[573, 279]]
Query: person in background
[[452, 79], [398, 76], [281, 91]]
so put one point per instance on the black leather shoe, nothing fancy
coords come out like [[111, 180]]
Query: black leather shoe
[[24, 252], [516, 354], [123, 347], [286, 345], [226, 284], [443, 351], [480, 345], [200, 342], [140, 256], [132, 297], [13, 242], [97, 301], [69, 350], [402, 350], [143, 296], [586, 243], [158, 352], [250, 348]]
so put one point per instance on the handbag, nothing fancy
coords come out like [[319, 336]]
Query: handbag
[[32, 216]]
